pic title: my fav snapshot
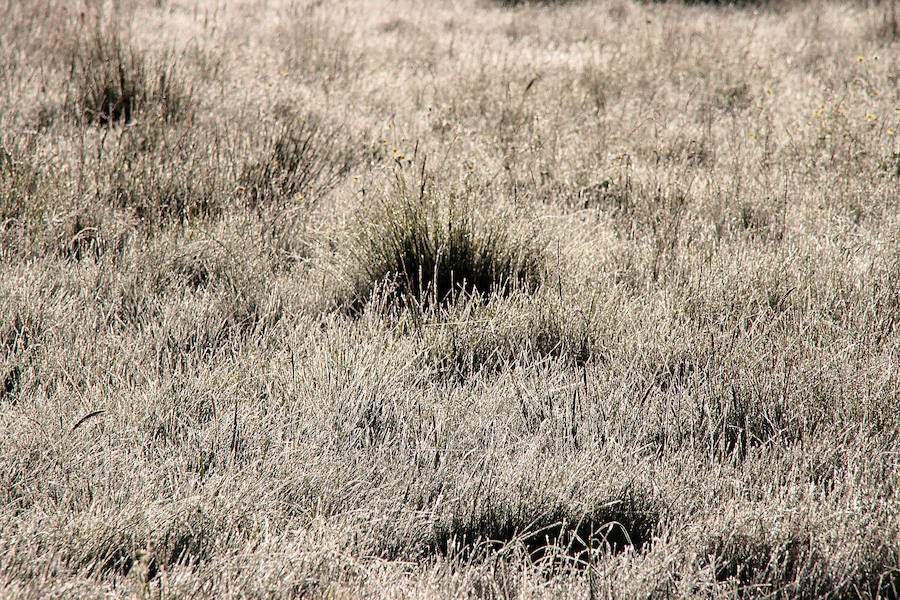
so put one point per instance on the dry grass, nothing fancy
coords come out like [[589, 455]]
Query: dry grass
[[473, 299]]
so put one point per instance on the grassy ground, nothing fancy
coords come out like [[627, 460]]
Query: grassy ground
[[449, 299]]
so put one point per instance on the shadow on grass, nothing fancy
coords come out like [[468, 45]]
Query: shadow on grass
[[550, 537], [117, 551], [796, 567]]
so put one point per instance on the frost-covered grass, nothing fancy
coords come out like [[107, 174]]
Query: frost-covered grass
[[449, 299]]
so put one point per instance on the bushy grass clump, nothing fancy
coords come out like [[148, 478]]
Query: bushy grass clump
[[430, 250], [114, 82]]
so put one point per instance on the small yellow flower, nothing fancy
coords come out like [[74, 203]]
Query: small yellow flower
[[870, 117], [890, 132], [859, 59], [768, 90], [285, 74], [394, 150]]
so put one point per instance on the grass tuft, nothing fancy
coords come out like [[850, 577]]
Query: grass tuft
[[114, 83], [791, 564], [431, 250]]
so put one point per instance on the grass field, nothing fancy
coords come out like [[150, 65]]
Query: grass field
[[456, 299]]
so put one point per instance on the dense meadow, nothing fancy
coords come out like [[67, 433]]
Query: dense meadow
[[449, 299]]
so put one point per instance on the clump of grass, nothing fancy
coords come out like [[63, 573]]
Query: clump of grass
[[788, 564], [303, 156], [430, 250], [114, 83]]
